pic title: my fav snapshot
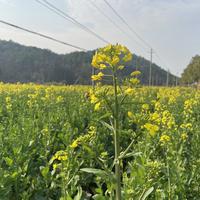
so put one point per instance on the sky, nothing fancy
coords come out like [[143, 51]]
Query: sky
[[170, 27]]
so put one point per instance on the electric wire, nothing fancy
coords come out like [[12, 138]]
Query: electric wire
[[69, 18], [113, 22], [42, 35], [132, 30], [126, 23]]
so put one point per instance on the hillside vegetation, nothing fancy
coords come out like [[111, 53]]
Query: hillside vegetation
[[20, 63]]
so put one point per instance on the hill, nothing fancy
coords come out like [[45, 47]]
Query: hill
[[20, 63]]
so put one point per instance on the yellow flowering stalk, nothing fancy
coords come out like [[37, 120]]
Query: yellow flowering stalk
[[113, 58], [135, 73], [184, 136], [97, 77], [152, 128], [165, 139], [60, 155], [134, 81], [84, 138], [93, 99]]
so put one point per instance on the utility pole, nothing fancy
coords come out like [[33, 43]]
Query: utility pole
[[167, 82], [150, 67], [176, 80]]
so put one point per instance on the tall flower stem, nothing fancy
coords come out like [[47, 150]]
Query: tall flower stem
[[116, 141]]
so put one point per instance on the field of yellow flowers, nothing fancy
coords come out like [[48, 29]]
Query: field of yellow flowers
[[56, 143]]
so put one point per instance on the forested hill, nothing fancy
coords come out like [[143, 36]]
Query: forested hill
[[20, 63]]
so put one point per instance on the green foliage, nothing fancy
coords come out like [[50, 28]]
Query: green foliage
[[192, 73], [19, 63], [36, 123]]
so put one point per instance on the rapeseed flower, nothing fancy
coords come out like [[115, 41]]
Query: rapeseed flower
[[130, 115], [134, 81], [135, 73], [129, 91], [97, 77], [97, 106], [152, 128], [111, 56], [59, 155], [165, 139], [184, 136]]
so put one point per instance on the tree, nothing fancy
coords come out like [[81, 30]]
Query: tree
[[192, 72]]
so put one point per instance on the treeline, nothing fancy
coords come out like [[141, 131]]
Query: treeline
[[20, 63], [191, 73]]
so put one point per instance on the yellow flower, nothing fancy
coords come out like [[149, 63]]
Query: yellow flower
[[84, 138], [102, 66], [151, 128], [93, 99], [59, 99], [94, 60], [55, 166], [130, 114], [74, 144], [145, 107], [129, 91], [97, 106], [135, 73], [187, 126], [110, 56], [184, 136], [127, 57], [61, 155], [165, 139], [155, 117], [8, 100], [134, 81], [115, 60], [97, 77], [121, 67]]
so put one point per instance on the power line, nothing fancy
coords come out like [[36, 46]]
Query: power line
[[124, 21], [69, 18], [42, 35], [106, 16], [150, 67], [112, 21], [132, 30]]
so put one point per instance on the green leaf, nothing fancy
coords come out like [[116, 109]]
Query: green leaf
[[44, 171], [131, 154], [147, 193], [14, 175], [105, 116], [94, 171], [8, 161], [107, 125], [99, 197], [79, 194]]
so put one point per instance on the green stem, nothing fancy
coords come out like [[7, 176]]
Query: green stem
[[63, 183], [116, 141], [168, 175]]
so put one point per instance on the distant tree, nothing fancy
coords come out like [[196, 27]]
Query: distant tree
[[192, 72]]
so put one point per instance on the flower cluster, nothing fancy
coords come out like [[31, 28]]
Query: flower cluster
[[111, 56], [85, 138]]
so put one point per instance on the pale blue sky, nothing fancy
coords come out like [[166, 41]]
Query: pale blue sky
[[172, 27]]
